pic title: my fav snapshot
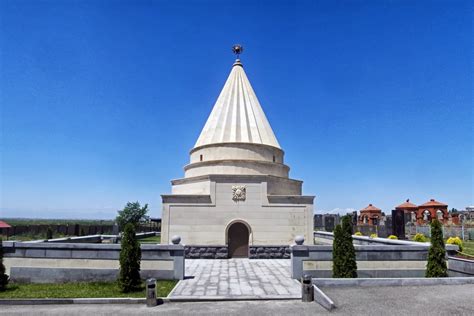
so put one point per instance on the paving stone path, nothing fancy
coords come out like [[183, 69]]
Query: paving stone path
[[237, 278]]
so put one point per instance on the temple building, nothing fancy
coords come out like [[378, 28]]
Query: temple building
[[409, 209], [236, 194], [370, 215], [430, 210], [424, 214]]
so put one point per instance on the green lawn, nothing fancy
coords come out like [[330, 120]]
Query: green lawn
[[150, 240], [79, 290], [468, 247]]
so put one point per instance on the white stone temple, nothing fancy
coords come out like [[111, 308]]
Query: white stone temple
[[236, 191]]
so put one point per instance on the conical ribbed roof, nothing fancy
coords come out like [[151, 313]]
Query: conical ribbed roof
[[237, 116], [406, 205], [371, 208]]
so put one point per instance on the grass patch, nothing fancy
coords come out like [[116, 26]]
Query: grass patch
[[79, 290], [152, 239], [468, 247]]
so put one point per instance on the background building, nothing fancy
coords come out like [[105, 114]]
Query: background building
[[409, 209], [370, 215], [432, 209]]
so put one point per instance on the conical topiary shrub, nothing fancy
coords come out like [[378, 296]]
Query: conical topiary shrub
[[337, 253], [130, 256], [3, 276], [343, 254], [350, 263], [436, 267]]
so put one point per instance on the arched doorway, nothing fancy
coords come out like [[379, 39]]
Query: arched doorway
[[238, 240]]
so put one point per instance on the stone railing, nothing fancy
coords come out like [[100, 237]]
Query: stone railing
[[95, 239], [326, 237], [460, 267], [64, 262], [376, 258]]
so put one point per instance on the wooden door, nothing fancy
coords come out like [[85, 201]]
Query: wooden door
[[238, 241]]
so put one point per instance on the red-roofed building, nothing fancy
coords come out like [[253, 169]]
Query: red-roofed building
[[408, 208], [370, 215], [4, 228], [432, 209]]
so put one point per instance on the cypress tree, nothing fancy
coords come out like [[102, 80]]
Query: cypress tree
[[337, 253], [130, 256], [3, 276], [343, 251], [349, 255], [436, 267]]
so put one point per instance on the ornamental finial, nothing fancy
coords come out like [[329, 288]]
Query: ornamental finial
[[237, 49]]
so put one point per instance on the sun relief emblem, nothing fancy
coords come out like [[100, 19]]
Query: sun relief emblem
[[238, 193]]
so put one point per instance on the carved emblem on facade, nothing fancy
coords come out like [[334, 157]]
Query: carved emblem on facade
[[238, 193]]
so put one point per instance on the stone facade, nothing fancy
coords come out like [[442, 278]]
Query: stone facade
[[205, 219]]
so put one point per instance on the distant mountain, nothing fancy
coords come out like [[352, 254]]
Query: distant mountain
[[340, 211]]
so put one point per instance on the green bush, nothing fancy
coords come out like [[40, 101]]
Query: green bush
[[455, 241], [133, 213], [130, 257], [373, 235], [344, 257], [3, 276], [392, 237], [436, 267], [419, 237], [358, 234]]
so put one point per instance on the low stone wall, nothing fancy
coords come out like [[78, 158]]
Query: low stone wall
[[91, 239], [326, 238], [206, 252], [65, 262], [221, 252], [97, 239], [459, 267], [373, 261], [376, 257], [269, 252]]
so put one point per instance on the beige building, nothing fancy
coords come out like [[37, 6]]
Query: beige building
[[236, 191]]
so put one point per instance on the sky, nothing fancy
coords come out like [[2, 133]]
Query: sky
[[101, 101]]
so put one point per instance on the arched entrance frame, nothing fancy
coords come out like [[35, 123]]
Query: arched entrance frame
[[238, 220]]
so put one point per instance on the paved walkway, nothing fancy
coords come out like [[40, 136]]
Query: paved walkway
[[237, 278], [412, 300]]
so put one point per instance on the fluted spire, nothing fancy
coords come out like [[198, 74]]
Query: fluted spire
[[237, 116]]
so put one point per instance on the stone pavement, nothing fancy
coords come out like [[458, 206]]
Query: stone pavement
[[237, 279], [411, 300]]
